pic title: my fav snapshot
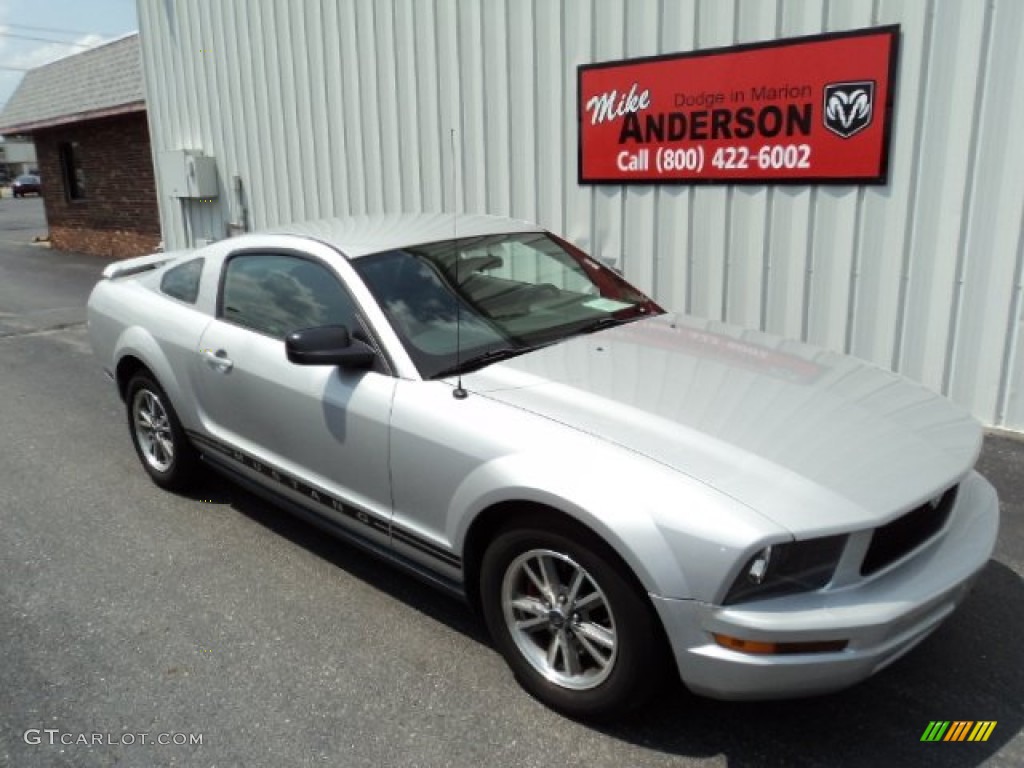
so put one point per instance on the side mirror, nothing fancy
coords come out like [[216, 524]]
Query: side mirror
[[328, 345]]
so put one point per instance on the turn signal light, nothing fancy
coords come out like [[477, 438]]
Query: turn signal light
[[759, 647]]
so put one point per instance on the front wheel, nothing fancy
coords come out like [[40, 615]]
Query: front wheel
[[576, 630], [159, 439]]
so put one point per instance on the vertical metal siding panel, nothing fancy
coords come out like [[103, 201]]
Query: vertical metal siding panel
[[179, 107], [270, 112], [449, 109], [225, 146], [174, 109], [167, 116], [852, 15], [674, 204], [849, 14], [828, 270], [549, 169], [307, 54], [787, 254], [711, 225], [355, 159], [214, 67], [244, 135], [186, 50], [639, 208], [523, 99], [387, 101], [408, 115], [154, 33], [206, 214], [783, 288], [369, 113], [1012, 403], [953, 67], [427, 88], [472, 135], [750, 227], [496, 107], [994, 223], [834, 221], [254, 129], [606, 212], [282, 113], [883, 238], [336, 161], [577, 41]]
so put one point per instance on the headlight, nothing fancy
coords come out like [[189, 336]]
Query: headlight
[[783, 569]]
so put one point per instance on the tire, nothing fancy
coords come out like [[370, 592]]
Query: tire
[[160, 442], [607, 644]]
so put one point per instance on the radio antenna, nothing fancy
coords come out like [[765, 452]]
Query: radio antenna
[[459, 393]]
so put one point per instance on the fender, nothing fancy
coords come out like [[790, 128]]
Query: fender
[[659, 512]]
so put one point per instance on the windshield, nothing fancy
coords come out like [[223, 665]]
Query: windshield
[[493, 297]]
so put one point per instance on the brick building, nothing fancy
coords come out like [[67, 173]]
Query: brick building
[[87, 116]]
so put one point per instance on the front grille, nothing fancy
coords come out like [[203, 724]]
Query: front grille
[[905, 534]]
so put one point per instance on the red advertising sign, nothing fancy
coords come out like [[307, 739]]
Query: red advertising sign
[[805, 110]]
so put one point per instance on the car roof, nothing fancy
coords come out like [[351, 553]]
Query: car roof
[[361, 235]]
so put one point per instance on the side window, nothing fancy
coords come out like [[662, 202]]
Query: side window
[[276, 294], [182, 282]]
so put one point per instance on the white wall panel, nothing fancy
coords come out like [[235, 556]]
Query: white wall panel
[[551, 96], [951, 78], [639, 211], [986, 368], [325, 107], [711, 224], [674, 205]]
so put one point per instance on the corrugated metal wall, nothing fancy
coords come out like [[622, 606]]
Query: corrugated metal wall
[[328, 107]]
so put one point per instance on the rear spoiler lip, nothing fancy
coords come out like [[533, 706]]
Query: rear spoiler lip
[[137, 265]]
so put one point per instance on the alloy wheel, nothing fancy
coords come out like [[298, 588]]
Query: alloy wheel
[[153, 430], [559, 618]]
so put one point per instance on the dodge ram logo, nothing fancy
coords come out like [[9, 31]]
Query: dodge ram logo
[[848, 107]]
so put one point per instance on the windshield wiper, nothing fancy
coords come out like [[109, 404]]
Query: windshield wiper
[[609, 321], [484, 358]]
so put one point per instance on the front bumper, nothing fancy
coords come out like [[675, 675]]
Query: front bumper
[[882, 617]]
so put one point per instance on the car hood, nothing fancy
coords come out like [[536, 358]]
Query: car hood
[[816, 441]]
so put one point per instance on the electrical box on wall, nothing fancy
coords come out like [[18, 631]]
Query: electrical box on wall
[[188, 173]]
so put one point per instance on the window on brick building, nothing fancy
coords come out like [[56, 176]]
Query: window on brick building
[[71, 171]]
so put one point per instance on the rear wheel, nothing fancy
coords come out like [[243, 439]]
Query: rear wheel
[[159, 439], [572, 624]]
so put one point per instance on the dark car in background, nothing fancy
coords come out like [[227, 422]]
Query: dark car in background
[[27, 185]]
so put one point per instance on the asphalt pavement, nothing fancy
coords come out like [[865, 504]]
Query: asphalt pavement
[[130, 615]]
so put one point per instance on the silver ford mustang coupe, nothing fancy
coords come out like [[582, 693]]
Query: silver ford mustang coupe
[[619, 490]]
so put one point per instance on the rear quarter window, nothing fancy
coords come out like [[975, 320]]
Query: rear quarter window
[[182, 282]]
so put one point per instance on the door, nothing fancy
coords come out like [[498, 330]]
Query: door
[[316, 434]]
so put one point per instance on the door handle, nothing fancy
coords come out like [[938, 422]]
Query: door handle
[[218, 359]]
